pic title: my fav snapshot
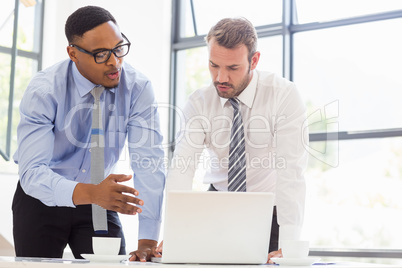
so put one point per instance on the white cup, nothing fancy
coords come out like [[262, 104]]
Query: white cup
[[295, 248], [106, 245]]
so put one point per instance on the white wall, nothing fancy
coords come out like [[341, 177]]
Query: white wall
[[147, 25]]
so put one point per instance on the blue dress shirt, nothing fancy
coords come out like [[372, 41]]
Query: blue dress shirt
[[55, 130]]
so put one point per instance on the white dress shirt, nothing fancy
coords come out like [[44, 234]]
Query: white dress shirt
[[276, 134]]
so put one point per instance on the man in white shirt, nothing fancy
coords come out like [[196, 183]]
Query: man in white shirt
[[274, 122]]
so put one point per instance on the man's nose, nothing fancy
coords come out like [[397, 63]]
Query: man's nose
[[113, 60], [223, 76]]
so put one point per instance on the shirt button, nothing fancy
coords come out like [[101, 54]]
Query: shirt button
[[84, 170]]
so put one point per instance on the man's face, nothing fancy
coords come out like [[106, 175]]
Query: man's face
[[104, 36], [230, 69]]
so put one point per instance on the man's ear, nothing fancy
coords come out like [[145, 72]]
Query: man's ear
[[254, 60], [72, 53]]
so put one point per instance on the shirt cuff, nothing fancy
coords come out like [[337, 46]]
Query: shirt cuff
[[289, 232], [63, 194], [148, 229]]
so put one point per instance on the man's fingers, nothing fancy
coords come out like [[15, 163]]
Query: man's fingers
[[118, 197], [274, 254], [126, 194], [126, 189], [126, 209], [130, 199], [157, 253], [121, 207], [120, 177], [141, 256], [159, 248], [133, 256]]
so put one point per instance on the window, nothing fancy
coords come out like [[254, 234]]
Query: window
[[20, 50], [357, 65], [345, 59], [268, 12], [353, 205], [311, 11]]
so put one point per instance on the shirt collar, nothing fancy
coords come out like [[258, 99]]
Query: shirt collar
[[247, 96], [84, 86]]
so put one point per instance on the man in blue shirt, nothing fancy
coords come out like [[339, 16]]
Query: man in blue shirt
[[52, 203]]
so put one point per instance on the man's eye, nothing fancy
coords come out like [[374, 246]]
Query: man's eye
[[118, 50], [101, 55]]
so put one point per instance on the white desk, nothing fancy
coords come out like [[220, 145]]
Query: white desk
[[11, 262]]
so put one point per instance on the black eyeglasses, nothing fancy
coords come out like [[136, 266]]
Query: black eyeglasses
[[104, 55]]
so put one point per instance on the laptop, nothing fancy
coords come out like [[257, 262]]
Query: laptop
[[217, 227]]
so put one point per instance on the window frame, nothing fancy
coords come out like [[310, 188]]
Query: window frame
[[286, 29], [15, 52]]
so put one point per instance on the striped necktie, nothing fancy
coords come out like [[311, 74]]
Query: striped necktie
[[237, 152], [99, 216]]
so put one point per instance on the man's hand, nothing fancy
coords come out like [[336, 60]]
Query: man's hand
[[146, 250], [109, 194], [274, 254]]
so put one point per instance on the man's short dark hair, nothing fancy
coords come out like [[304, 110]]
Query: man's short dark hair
[[85, 19]]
